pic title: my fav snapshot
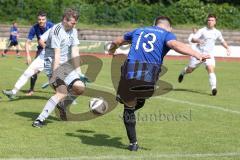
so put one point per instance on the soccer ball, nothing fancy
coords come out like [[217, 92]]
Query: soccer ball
[[98, 105]]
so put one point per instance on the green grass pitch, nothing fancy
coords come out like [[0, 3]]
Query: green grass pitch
[[185, 123]]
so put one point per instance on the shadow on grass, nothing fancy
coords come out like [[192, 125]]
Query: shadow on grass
[[38, 91], [191, 91], [100, 139], [33, 115]]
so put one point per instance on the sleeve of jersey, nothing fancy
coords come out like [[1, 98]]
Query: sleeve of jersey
[[75, 38], [128, 36], [170, 36], [56, 41], [11, 30], [31, 34], [220, 37], [198, 34], [44, 37]]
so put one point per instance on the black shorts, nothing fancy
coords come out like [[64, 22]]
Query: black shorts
[[13, 43], [132, 89]]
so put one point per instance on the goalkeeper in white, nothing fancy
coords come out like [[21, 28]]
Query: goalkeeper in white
[[206, 38]]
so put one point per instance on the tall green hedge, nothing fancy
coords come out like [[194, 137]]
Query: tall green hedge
[[116, 11]]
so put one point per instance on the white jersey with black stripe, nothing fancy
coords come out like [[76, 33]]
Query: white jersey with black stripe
[[209, 37], [64, 40]]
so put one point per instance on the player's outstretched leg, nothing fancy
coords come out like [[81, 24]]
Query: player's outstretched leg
[[186, 70], [19, 84], [9, 94], [181, 75]]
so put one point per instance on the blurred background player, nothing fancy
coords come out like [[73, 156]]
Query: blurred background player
[[13, 40], [205, 38], [62, 63], [36, 30], [141, 70]]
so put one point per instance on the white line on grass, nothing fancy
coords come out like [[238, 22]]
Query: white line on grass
[[198, 105], [179, 101], [156, 156]]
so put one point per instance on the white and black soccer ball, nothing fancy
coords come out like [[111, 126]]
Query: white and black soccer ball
[[98, 105]]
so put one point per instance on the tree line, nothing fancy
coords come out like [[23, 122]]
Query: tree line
[[104, 12]]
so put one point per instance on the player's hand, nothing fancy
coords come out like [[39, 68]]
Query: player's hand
[[204, 57], [228, 52], [201, 41], [84, 78], [53, 78], [112, 49], [29, 60]]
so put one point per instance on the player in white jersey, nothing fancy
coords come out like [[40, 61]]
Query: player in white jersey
[[35, 67], [62, 63], [206, 38]]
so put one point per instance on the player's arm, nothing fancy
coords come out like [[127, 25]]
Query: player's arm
[[76, 59], [196, 37], [224, 43], [186, 50], [56, 40], [125, 39], [119, 41], [43, 38], [27, 49], [75, 52], [12, 32], [56, 61], [31, 35]]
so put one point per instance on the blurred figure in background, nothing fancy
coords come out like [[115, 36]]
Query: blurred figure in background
[[13, 40]]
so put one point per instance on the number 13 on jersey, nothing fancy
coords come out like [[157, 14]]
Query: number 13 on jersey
[[150, 42]]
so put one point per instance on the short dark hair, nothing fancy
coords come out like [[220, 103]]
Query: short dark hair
[[42, 14], [70, 13], [165, 18], [212, 16]]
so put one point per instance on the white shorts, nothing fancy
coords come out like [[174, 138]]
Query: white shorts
[[194, 63], [37, 65]]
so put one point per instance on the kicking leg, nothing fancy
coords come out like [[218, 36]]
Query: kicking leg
[[20, 83], [61, 93], [193, 64]]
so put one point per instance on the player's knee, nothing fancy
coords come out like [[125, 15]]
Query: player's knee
[[131, 104], [140, 103], [28, 73], [78, 88], [61, 95], [189, 70], [210, 69]]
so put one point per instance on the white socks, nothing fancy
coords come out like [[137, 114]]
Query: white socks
[[49, 107], [22, 80], [212, 80]]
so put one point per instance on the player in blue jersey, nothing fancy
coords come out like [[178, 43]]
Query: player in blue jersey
[[36, 30], [141, 69], [37, 65], [13, 40]]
